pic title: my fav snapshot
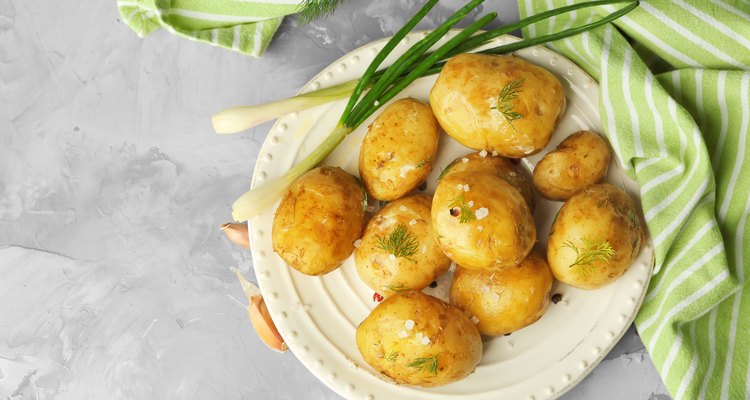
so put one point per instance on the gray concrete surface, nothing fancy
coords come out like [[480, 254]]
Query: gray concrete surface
[[113, 182]]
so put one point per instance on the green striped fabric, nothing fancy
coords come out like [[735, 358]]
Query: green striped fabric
[[243, 26], [675, 89]]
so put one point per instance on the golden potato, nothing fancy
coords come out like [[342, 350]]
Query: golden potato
[[499, 166], [579, 161], [398, 250], [318, 220], [398, 149], [595, 237], [499, 103], [504, 301], [481, 221], [418, 339]]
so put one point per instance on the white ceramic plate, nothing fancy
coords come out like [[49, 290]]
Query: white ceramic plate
[[318, 316]]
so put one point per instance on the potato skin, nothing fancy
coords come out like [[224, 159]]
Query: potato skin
[[595, 215], [507, 300], [465, 101], [398, 149], [453, 338], [499, 166], [579, 161], [388, 276], [498, 240], [319, 219]]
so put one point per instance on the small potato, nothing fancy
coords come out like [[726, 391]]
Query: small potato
[[579, 161], [481, 221], [398, 250], [499, 103], [398, 150], [595, 237], [496, 165], [318, 220], [504, 301], [418, 339]]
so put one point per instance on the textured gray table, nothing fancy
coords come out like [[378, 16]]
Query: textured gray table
[[111, 175]]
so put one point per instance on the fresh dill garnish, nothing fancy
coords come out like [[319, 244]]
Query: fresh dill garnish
[[445, 170], [591, 252], [310, 10], [397, 288], [400, 242], [424, 162], [465, 214], [505, 99], [429, 364], [392, 356]]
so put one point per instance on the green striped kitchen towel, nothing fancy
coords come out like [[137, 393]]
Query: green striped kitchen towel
[[675, 94], [239, 25]]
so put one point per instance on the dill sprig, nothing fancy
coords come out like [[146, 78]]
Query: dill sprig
[[446, 170], [310, 10], [397, 288], [400, 242], [466, 214], [392, 356], [429, 364], [424, 162], [505, 99], [591, 252]]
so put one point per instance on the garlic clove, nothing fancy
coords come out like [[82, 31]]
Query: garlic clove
[[237, 234], [264, 326], [260, 317]]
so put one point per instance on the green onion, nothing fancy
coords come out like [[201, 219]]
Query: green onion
[[364, 112], [238, 119], [408, 58], [388, 83]]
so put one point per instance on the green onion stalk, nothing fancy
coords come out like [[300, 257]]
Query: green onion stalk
[[382, 86]]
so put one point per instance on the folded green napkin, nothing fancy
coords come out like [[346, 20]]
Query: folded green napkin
[[243, 26], [675, 94]]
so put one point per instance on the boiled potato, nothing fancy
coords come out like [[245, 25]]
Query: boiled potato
[[500, 166], [595, 237], [499, 103], [398, 250], [417, 339], [504, 301], [318, 220], [398, 149], [481, 221], [579, 161]]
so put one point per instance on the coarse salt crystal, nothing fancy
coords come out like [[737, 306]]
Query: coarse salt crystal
[[466, 187], [424, 248], [494, 153], [357, 243], [465, 160], [482, 213], [470, 203], [392, 257], [475, 320], [460, 187], [419, 336], [483, 153], [425, 341], [402, 334], [480, 228], [403, 208], [413, 222], [409, 324], [376, 103]]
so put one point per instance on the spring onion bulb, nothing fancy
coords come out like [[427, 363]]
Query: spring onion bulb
[[261, 198], [238, 119]]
